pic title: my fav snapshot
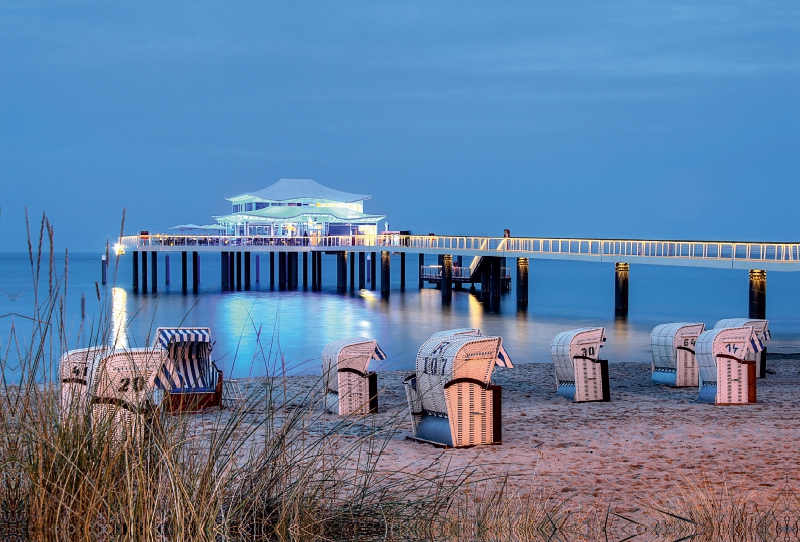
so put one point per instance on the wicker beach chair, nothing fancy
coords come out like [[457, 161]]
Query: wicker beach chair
[[123, 391], [674, 362], [761, 328], [727, 370], [191, 381], [350, 388], [451, 398], [581, 376], [74, 371]]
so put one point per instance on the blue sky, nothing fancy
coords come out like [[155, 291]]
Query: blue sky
[[628, 119]]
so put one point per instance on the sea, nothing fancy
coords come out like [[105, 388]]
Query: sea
[[265, 331]]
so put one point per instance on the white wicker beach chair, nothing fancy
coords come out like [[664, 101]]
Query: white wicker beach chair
[[674, 362], [350, 388], [761, 328], [74, 369], [450, 396], [727, 374], [581, 375], [123, 391]]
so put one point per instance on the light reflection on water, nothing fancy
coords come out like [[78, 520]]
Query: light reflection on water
[[252, 328]]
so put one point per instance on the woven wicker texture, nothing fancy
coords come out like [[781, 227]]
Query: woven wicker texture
[[74, 369], [353, 353], [565, 346], [734, 341], [353, 394], [469, 411], [122, 386], [588, 381], [503, 359], [443, 359], [732, 382], [665, 341]]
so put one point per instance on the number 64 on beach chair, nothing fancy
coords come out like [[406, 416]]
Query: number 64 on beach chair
[[581, 376], [673, 348]]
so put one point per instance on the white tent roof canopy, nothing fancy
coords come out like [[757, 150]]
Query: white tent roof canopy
[[289, 189]]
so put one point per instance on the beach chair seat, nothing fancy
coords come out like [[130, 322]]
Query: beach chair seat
[[450, 396], [123, 391], [350, 388], [673, 349], [74, 369], [726, 366], [761, 327], [581, 376]]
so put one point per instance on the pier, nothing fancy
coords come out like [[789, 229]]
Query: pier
[[486, 257]]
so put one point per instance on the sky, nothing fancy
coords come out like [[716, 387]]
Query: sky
[[656, 120]]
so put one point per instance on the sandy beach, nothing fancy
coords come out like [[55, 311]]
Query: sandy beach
[[640, 449]]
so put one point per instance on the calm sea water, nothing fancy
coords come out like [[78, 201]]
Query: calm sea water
[[253, 329]]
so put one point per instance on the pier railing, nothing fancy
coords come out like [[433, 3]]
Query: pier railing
[[587, 249]]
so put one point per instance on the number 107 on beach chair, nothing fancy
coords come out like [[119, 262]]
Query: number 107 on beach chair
[[581, 376], [451, 398]]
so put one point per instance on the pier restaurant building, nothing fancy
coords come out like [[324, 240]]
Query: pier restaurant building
[[298, 207]]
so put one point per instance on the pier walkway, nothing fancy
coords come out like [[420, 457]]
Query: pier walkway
[[487, 266]]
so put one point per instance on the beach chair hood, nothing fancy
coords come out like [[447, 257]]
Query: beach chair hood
[[503, 359], [761, 327], [666, 339]]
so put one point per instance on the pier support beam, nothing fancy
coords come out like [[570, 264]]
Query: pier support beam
[[447, 277], [239, 270], [231, 270], [224, 276], [305, 270], [292, 260], [282, 279], [402, 271], [421, 267], [272, 270], [184, 272], [362, 270], [758, 308], [246, 270], [166, 269], [522, 282], [135, 261], [622, 272], [341, 271], [144, 272], [195, 271], [486, 271], [258, 268], [458, 263], [386, 262], [313, 271], [352, 270], [440, 263], [495, 280], [154, 265], [319, 271], [373, 267]]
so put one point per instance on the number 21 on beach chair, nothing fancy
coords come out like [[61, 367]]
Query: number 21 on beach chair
[[74, 370], [581, 376], [451, 398], [727, 372], [350, 388]]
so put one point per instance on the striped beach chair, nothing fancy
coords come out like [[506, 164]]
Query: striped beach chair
[[123, 394], [726, 365], [451, 398], [581, 376], [350, 388], [673, 348], [191, 381], [761, 328], [74, 370]]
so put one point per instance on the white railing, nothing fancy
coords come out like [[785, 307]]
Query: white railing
[[461, 274], [554, 247]]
